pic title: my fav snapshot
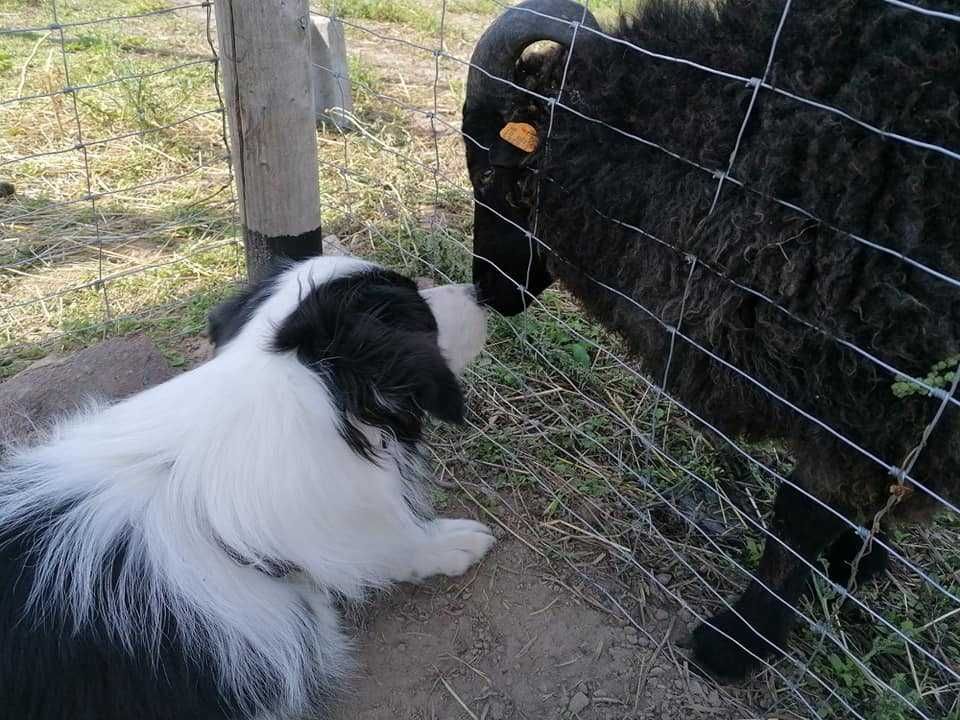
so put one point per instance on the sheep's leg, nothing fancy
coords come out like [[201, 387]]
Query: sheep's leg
[[844, 550], [734, 465], [763, 616]]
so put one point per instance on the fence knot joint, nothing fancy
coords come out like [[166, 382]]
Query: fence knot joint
[[897, 472]]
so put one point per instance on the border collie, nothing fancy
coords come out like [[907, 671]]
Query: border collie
[[179, 555]]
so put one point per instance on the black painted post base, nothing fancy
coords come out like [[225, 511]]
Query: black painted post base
[[262, 250]]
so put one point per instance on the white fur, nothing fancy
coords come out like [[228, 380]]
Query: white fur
[[245, 449], [461, 323]]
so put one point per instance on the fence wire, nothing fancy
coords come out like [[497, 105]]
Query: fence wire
[[114, 144], [837, 667], [124, 211]]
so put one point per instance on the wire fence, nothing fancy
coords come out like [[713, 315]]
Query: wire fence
[[121, 206], [124, 214], [660, 512]]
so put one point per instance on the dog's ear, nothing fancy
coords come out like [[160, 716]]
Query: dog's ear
[[414, 366], [376, 347], [438, 390]]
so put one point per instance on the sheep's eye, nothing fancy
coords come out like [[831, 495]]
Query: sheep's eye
[[487, 175]]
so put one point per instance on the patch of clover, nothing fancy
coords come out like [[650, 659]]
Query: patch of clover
[[940, 376]]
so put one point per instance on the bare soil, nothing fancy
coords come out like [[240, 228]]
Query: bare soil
[[508, 642]]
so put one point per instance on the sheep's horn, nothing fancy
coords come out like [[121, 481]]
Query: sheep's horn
[[509, 35]]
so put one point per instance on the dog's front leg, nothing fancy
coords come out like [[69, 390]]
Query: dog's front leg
[[446, 547]]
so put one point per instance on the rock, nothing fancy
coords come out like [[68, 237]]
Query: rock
[[661, 614], [7, 189], [578, 703], [333, 246], [665, 579], [424, 283], [111, 370]]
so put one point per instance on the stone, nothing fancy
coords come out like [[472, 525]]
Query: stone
[[578, 703], [112, 370], [333, 246]]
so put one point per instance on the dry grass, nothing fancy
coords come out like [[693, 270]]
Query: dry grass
[[557, 447], [161, 227]]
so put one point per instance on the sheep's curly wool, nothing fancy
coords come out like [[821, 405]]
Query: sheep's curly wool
[[702, 267], [894, 69]]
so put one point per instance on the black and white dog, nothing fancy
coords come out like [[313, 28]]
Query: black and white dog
[[178, 555]]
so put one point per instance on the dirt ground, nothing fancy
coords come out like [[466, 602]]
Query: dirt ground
[[506, 642]]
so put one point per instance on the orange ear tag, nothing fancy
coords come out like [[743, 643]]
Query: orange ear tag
[[521, 135]]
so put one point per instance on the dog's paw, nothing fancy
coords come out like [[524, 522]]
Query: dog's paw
[[454, 546]]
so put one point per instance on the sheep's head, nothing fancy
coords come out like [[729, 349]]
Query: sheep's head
[[503, 126]]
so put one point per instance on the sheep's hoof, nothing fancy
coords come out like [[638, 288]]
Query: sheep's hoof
[[722, 658], [842, 552]]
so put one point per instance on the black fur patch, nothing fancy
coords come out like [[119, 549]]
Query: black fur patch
[[372, 339], [595, 184], [51, 670], [228, 318]]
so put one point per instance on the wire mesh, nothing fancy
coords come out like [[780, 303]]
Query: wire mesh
[[397, 189], [113, 142], [124, 215]]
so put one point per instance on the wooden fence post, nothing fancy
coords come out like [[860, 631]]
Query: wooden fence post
[[268, 87], [331, 73]]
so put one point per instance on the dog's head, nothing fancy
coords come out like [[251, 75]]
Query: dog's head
[[387, 352]]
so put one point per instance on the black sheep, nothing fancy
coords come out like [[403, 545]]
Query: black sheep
[[811, 190]]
